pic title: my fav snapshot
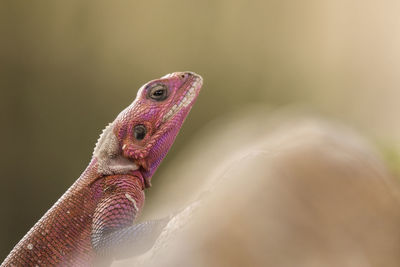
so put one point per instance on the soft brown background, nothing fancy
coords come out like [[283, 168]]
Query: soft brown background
[[68, 68]]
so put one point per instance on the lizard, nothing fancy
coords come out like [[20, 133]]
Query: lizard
[[97, 214]]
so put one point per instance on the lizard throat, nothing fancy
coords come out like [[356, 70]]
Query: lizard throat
[[186, 100]]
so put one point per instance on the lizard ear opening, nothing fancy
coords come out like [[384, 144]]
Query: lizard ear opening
[[139, 131]]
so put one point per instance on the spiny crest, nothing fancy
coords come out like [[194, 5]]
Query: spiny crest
[[107, 144]]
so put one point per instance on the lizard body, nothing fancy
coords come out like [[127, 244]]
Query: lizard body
[[98, 211]]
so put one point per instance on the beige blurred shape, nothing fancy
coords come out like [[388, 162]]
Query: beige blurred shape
[[289, 190]]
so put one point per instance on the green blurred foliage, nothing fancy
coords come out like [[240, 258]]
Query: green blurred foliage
[[68, 68], [391, 155]]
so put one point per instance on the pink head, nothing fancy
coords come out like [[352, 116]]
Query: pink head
[[143, 133]]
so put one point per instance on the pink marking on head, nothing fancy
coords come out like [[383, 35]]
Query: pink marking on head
[[148, 127]]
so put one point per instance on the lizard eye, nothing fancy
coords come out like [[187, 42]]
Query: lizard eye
[[139, 131], [158, 92]]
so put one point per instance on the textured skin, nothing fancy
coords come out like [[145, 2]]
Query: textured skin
[[95, 217]]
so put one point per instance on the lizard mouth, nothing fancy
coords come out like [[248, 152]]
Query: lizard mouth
[[186, 99]]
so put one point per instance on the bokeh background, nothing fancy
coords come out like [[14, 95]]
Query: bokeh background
[[68, 68]]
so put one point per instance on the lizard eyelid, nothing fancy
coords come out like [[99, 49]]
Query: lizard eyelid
[[158, 92]]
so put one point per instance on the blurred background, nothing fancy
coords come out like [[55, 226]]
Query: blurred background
[[68, 68]]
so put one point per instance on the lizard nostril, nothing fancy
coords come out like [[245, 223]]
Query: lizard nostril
[[186, 75]]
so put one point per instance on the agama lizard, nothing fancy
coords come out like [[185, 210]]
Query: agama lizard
[[97, 213]]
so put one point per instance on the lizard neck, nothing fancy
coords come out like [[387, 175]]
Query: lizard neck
[[92, 174]]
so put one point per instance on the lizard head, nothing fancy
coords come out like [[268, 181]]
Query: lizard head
[[141, 135]]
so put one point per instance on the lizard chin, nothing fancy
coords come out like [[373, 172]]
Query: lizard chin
[[143, 167]]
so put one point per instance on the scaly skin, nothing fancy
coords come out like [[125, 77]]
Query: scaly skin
[[95, 216]]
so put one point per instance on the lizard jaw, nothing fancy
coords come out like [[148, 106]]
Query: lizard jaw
[[187, 98]]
